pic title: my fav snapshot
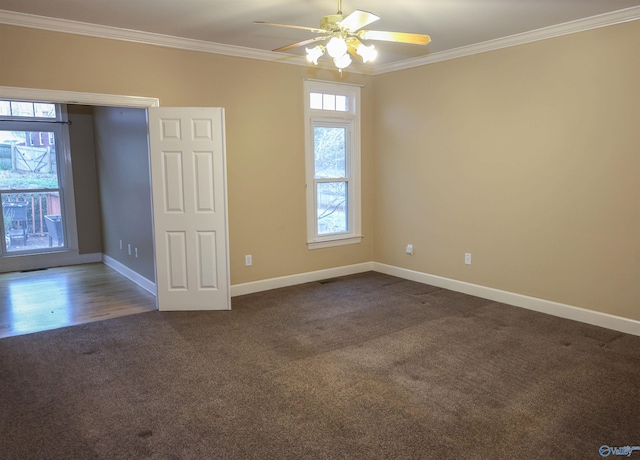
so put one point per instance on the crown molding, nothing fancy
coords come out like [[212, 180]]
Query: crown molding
[[136, 36], [581, 25], [148, 38]]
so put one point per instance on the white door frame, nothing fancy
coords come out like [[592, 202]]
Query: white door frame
[[72, 97]]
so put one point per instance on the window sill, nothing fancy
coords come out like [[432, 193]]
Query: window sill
[[334, 242]]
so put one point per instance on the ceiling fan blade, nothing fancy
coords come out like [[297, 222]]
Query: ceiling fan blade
[[302, 43], [311, 29], [399, 37], [357, 20]]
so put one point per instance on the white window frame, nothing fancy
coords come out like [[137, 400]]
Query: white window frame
[[349, 119], [58, 125]]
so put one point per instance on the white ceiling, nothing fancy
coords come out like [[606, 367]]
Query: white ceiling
[[451, 24]]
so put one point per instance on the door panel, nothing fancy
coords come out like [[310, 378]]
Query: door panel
[[190, 208]]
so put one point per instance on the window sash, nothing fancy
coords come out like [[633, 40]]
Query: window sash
[[348, 147], [326, 209], [38, 220], [344, 224]]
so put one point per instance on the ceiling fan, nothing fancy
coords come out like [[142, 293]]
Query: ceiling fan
[[345, 35]]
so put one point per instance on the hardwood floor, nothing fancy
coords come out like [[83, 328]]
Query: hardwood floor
[[56, 297]]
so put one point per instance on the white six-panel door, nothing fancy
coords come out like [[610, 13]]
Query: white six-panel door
[[188, 177]]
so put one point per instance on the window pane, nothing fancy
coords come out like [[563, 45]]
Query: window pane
[[332, 207], [316, 101], [341, 103], [27, 160], [328, 102], [22, 109], [5, 108], [330, 151], [45, 110], [32, 221]]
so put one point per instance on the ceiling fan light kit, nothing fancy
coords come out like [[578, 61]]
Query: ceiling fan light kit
[[343, 61], [345, 35], [337, 47], [367, 53], [313, 54]]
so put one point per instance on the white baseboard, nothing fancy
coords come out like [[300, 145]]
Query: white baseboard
[[47, 260], [125, 271], [291, 280], [617, 323]]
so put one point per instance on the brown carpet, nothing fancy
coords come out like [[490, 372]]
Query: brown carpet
[[367, 366]]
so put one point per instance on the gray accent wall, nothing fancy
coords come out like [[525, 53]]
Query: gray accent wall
[[85, 179], [122, 155]]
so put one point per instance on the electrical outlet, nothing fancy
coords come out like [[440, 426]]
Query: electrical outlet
[[248, 260], [409, 249], [136, 252], [467, 258], [121, 245], [129, 249]]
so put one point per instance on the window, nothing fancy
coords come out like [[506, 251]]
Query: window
[[35, 179], [28, 110], [332, 133], [328, 102]]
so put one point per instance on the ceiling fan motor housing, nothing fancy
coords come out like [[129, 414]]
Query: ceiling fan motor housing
[[331, 23]]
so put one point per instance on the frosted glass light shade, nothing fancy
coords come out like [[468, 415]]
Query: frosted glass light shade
[[367, 53], [314, 53], [342, 61], [336, 47]]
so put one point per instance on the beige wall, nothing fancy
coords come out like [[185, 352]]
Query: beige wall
[[265, 135], [529, 159], [526, 157]]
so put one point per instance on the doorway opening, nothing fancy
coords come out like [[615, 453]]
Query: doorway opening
[[188, 221], [65, 248], [35, 232]]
